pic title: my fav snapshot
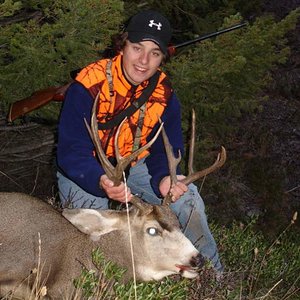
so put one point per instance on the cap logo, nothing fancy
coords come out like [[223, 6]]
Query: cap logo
[[158, 25]]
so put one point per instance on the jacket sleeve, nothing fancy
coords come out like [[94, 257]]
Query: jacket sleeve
[[157, 162], [75, 157]]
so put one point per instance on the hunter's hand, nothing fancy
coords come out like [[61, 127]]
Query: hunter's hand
[[117, 193], [177, 190]]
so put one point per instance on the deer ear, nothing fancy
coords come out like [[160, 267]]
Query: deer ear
[[93, 222]]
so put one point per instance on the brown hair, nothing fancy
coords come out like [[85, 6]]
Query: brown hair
[[118, 42]]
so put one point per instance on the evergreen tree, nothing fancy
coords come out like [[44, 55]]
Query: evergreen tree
[[222, 78], [41, 52]]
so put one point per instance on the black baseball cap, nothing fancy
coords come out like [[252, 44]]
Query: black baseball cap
[[150, 25]]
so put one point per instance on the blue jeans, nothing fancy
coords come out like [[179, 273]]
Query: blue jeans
[[189, 208]]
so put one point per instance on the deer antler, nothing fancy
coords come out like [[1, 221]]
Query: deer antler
[[192, 176], [116, 173], [172, 163]]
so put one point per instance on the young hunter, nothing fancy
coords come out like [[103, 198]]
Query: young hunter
[[120, 82]]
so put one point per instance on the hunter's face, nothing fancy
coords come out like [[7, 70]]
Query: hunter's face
[[141, 60]]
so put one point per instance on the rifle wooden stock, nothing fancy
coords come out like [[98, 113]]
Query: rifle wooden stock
[[36, 100]]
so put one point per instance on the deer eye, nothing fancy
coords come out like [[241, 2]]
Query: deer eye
[[152, 231]]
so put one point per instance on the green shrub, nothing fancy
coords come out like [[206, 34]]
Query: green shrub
[[255, 268], [222, 78], [41, 53]]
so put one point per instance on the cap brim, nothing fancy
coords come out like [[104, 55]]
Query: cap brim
[[136, 37]]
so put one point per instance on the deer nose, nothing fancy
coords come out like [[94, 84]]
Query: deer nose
[[197, 261]]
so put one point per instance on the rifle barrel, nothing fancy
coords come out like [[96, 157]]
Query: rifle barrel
[[209, 35]]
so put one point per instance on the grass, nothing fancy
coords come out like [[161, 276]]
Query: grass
[[260, 269], [255, 269]]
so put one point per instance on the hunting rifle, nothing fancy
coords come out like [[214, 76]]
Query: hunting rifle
[[44, 96]]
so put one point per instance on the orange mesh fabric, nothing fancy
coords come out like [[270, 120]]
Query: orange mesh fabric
[[93, 77]]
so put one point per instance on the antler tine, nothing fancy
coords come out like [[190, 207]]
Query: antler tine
[[113, 173], [123, 162], [172, 162], [193, 176], [116, 173], [192, 144], [93, 132], [217, 164]]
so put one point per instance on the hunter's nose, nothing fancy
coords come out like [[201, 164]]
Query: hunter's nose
[[197, 261]]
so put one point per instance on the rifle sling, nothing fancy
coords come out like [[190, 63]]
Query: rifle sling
[[130, 110]]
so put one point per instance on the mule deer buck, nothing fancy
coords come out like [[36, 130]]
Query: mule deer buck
[[67, 239]]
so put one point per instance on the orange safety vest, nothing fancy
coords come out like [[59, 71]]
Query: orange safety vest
[[94, 78]]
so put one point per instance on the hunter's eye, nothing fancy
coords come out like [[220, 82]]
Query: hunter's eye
[[152, 231]]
